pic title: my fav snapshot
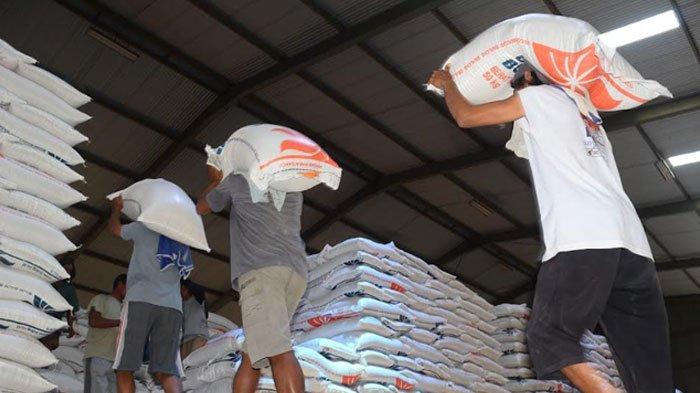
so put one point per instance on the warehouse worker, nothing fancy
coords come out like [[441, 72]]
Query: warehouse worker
[[268, 268], [103, 319], [152, 308], [67, 290], [597, 265], [195, 331]]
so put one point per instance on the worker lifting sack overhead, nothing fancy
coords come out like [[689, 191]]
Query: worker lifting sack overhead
[[274, 160], [567, 51], [165, 209]]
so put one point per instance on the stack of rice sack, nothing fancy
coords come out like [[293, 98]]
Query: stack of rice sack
[[511, 323], [37, 119], [375, 319], [219, 325]]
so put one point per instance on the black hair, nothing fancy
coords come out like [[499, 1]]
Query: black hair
[[120, 279], [197, 292], [519, 82]]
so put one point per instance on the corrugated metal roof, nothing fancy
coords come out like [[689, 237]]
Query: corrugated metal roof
[[680, 233], [607, 15], [676, 283], [356, 11], [288, 25], [472, 17], [100, 182], [324, 196], [501, 279]]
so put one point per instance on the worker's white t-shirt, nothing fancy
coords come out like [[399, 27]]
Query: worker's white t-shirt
[[579, 192]]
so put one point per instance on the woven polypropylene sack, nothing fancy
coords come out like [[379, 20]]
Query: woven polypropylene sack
[[26, 228], [567, 50], [54, 84], [25, 350], [30, 259], [165, 209], [275, 160], [15, 377], [22, 287]]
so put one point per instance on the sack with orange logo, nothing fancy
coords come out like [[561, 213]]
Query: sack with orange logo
[[275, 160], [566, 50]]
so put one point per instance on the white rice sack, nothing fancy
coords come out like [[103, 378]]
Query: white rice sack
[[479, 301], [509, 322], [486, 363], [452, 318], [464, 378], [369, 341], [337, 371], [37, 207], [30, 259], [406, 363], [424, 383], [23, 318], [220, 386], [216, 348], [360, 244], [63, 368], [347, 308], [65, 383], [447, 304], [275, 160], [456, 357], [54, 84], [513, 347], [512, 310], [497, 379], [374, 358], [22, 287], [476, 310], [465, 291], [368, 274], [26, 228], [475, 369], [40, 97], [424, 351], [376, 388], [416, 302], [331, 349], [216, 319], [25, 350], [326, 266], [38, 159], [486, 387], [409, 258], [489, 352], [38, 137], [423, 336], [510, 335], [400, 380], [39, 184], [433, 369], [440, 274], [533, 385], [515, 360], [449, 330], [47, 122], [350, 325], [427, 292], [567, 50], [321, 296], [218, 369], [483, 337], [18, 378], [11, 57], [519, 373], [73, 357], [486, 327], [454, 344], [422, 319], [165, 209]]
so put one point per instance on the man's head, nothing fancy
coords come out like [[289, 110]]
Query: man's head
[[119, 287], [70, 269], [526, 75]]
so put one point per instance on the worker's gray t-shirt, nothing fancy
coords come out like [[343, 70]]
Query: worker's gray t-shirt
[[194, 322], [261, 235], [145, 281]]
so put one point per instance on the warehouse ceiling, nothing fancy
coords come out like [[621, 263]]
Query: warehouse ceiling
[[169, 76]]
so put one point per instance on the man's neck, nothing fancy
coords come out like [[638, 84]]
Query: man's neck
[[115, 296]]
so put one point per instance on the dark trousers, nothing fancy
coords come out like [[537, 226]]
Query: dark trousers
[[615, 288]]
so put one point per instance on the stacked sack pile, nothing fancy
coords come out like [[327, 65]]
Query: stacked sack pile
[[511, 323], [375, 319], [37, 119]]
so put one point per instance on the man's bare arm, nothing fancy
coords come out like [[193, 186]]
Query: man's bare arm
[[215, 177], [96, 320], [115, 223], [467, 115]]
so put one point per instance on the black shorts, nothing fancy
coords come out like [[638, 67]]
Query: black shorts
[[615, 288]]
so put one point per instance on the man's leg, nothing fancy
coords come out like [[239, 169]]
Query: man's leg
[[636, 325], [99, 373], [571, 294], [125, 382], [266, 309], [165, 362], [287, 373], [135, 326], [246, 379]]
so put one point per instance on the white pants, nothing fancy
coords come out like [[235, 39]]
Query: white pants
[[99, 376]]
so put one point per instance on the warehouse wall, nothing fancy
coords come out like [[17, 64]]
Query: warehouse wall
[[684, 319]]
